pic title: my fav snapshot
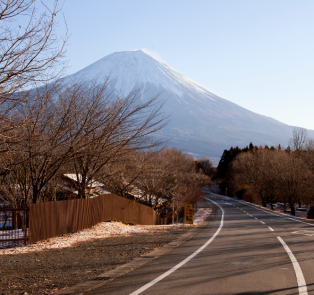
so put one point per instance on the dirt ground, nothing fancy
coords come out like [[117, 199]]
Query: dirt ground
[[48, 271]]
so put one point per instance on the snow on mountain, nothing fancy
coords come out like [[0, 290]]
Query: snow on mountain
[[201, 122], [136, 68]]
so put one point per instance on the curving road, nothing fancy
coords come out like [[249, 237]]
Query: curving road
[[242, 250]]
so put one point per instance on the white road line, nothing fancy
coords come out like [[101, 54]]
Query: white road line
[[311, 224], [262, 222], [282, 216], [170, 271], [255, 218], [270, 228], [297, 269]]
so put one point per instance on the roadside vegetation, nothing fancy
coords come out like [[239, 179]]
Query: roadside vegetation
[[270, 175]]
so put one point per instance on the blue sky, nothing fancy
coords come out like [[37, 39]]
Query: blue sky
[[258, 54]]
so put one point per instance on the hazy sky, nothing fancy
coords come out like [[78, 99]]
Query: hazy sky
[[258, 54]]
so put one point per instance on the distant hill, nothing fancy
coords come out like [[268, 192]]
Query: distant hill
[[201, 123]]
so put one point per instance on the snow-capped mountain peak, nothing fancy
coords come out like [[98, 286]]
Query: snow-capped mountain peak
[[201, 122], [133, 69]]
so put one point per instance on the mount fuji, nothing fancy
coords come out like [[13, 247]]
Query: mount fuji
[[201, 122]]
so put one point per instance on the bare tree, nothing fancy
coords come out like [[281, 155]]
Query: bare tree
[[271, 174], [15, 186], [30, 55], [247, 175], [52, 128], [28, 45], [291, 178], [171, 178], [114, 127], [122, 177], [205, 166], [299, 139], [79, 126]]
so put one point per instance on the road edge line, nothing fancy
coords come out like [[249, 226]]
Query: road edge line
[[297, 269], [173, 269]]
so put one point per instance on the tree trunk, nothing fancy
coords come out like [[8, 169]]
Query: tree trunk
[[35, 193], [172, 210], [272, 202], [83, 185], [54, 193], [292, 209], [54, 190], [81, 192]]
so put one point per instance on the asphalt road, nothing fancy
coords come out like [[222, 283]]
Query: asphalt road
[[242, 250]]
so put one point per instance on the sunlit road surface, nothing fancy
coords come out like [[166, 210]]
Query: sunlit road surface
[[242, 250]]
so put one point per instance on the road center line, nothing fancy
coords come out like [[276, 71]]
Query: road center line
[[297, 269], [170, 271], [281, 216], [262, 222], [270, 228]]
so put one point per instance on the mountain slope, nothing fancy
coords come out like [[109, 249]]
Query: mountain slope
[[201, 122]]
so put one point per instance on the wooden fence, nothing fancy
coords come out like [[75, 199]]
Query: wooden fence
[[51, 219]]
